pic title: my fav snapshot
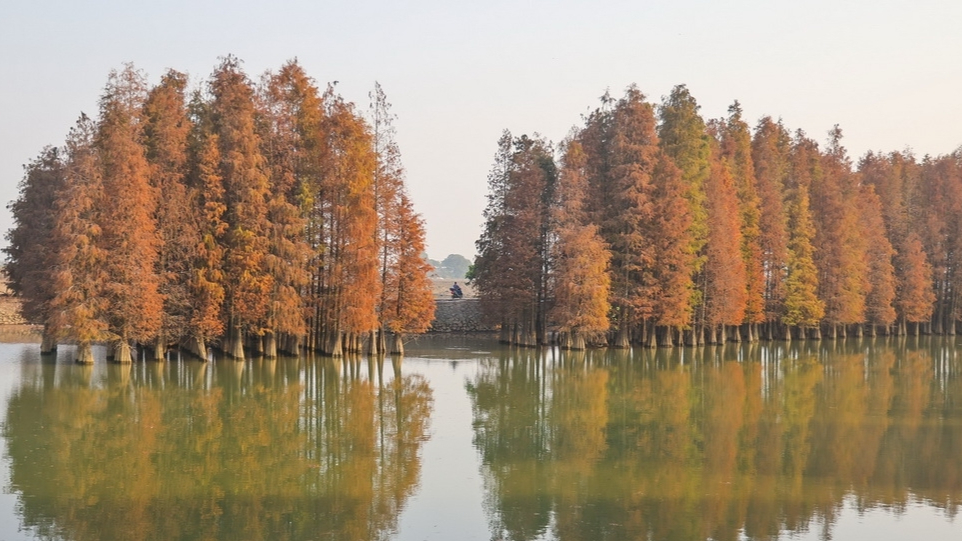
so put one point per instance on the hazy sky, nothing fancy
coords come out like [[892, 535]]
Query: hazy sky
[[459, 72]]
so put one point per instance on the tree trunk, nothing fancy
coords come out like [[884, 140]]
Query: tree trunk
[[48, 344], [622, 340], [333, 346], [122, 352], [504, 335], [689, 336], [382, 341], [665, 338], [235, 343], [160, 349], [397, 344], [711, 334], [85, 354], [578, 341], [197, 347], [270, 345]]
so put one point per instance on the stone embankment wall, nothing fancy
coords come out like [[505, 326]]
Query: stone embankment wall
[[461, 315]]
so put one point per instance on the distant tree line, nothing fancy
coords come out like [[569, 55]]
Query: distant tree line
[[270, 215], [656, 227], [454, 266]]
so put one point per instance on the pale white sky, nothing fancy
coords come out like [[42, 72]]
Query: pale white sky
[[459, 72]]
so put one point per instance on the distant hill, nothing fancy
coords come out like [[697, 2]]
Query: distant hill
[[453, 267]]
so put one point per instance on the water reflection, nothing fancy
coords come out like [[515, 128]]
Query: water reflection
[[723, 443], [285, 449]]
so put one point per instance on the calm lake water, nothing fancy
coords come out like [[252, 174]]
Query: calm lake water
[[465, 440]]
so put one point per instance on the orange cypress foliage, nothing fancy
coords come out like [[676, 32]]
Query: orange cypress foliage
[[915, 298], [581, 284], [409, 297], [671, 233], [725, 291], [248, 282], [736, 149], [840, 257], [637, 197], [895, 178], [207, 276], [298, 149], [771, 146], [388, 192], [879, 309], [285, 147], [407, 302], [77, 308], [166, 132], [127, 217], [938, 223], [351, 284]]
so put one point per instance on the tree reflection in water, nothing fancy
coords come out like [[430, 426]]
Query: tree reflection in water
[[285, 449], [722, 443]]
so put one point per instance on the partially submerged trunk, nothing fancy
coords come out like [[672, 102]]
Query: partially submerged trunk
[[160, 349], [270, 345], [397, 344], [48, 342], [197, 347], [235, 343], [85, 354], [122, 352]]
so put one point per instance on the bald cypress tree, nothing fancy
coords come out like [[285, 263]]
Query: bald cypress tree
[[879, 300], [406, 305], [895, 178], [512, 265], [938, 223], [31, 250], [349, 288], [408, 298], [841, 260], [127, 217], [166, 140], [622, 201], [207, 280], [803, 308], [247, 279], [736, 150], [77, 308], [771, 148], [683, 136], [285, 97], [724, 271], [579, 260], [633, 197]]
